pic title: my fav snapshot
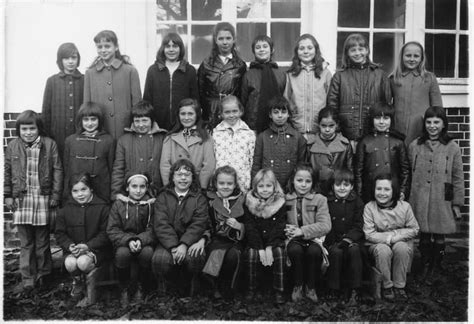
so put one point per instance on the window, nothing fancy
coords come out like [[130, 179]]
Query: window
[[446, 38], [195, 19], [382, 22]]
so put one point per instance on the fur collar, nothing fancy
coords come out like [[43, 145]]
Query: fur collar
[[264, 208]]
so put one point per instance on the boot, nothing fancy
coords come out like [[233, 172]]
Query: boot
[[124, 298], [426, 259], [91, 293], [138, 296], [377, 281], [438, 255], [77, 289]]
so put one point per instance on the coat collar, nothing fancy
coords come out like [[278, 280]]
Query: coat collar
[[338, 144], [116, 63], [289, 130], [332, 197], [162, 65], [154, 129], [76, 74], [223, 126], [179, 139], [293, 196], [414, 72]]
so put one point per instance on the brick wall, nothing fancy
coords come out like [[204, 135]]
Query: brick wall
[[459, 129]]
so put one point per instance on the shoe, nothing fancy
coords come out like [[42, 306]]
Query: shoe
[[388, 293], [250, 295], [138, 296], [124, 299], [311, 295], [77, 289], [217, 294], [279, 298], [297, 293], [400, 293], [351, 298]]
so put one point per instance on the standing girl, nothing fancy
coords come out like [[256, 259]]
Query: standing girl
[[80, 231], [221, 73], [63, 96], [307, 85], [263, 81], [437, 185], [307, 224], [356, 87], [189, 140], [226, 211], [390, 228], [130, 231], [265, 225], [234, 141], [330, 150], [90, 150], [169, 80], [33, 184], [414, 90], [113, 82]]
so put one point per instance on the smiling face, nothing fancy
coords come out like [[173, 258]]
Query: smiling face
[[224, 42], [106, 50], [172, 51], [142, 124], [279, 116], [182, 179], [225, 184], [29, 132], [303, 182], [383, 192], [343, 189], [382, 123], [263, 51], [187, 116], [81, 193], [265, 188], [70, 63], [137, 188], [90, 123], [434, 126], [327, 128], [358, 54], [231, 113], [306, 51], [412, 57]]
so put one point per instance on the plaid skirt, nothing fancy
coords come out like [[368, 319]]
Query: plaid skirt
[[33, 209]]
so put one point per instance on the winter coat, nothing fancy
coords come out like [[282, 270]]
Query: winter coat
[[307, 96], [315, 214], [50, 169], [84, 224], [117, 89], [250, 92], [281, 153], [131, 221], [62, 98], [380, 153], [90, 154], [326, 159], [435, 168], [138, 153], [165, 92], [200, 153], [352, 92], [346, 219], [235, 147], [175, 223], [217, 80], [397, 223], [411, 99], [219, 214]]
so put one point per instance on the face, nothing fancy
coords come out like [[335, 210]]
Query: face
[[358, 54], [412, 57], [106, 50], [29, 132], [327, 128], [265, 188], [137, 188], [263, 51], [231, 113], [182, 179], [382, 123], [187, 116], [383, 192], [279, 116], [172, 51], [90, 123], [306, 51], [142, 124], [70, 63], [225, 184], [303, 182], [342, 189], [81, 193], [434, 126], [224, 42]]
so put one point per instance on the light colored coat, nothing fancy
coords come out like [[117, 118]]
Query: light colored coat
[[200, 153], [432, 166], [235, 147]]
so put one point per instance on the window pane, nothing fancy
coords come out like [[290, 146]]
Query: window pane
[[206, 9], [341, 37], [254, 9], [284, 36], [441, 14], [440, 54], [162, 30], [246, 32], [201, 42], [171, 10], [346, 16], [389, 14], [385, 49], [286, 9], [463, 56], [464, 15]]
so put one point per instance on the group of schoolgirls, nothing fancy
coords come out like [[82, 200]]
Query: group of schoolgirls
[[264, 125]]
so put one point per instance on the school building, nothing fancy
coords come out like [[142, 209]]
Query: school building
[[34, 29]]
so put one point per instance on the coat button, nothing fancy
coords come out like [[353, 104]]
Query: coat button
[[70, 107], [70, 82], [141, 159], [376, 164], [151, 159], [110, 98], [264, 231], [271, 161], [109, 83], [70, 95], [111, 114]]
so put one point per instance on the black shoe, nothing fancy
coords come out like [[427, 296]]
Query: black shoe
[[279, 298], [250, 295]]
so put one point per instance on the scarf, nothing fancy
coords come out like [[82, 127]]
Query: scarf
[[90, 134], [268, 90], [281, 132], [264, 208], [188, 132], [226, 201]]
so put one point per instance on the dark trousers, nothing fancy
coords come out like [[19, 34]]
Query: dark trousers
[[345, 267], [305, 257], [132, 266]]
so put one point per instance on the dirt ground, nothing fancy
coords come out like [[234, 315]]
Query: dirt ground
[[445, 299]]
